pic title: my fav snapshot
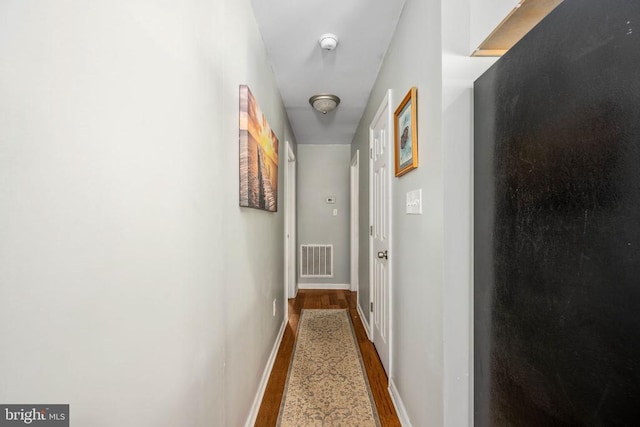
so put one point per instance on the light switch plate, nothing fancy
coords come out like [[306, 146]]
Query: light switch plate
[[414, 202]]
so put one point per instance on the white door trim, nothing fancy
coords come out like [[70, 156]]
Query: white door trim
[[355, 219], [367, 309], [290, 285], [385, 104]]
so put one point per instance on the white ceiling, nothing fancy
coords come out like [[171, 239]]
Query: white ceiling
[[291, 29]]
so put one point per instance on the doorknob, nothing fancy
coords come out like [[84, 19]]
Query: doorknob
[[382, 255]]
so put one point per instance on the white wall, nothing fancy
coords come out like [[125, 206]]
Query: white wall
[[418, 239], [459, 71], [133, 286], [432, 253], [323, 171]]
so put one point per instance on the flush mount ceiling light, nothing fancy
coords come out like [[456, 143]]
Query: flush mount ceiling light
[[324, 102]]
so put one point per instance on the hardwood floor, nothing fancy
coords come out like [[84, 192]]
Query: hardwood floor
[[268, 414]]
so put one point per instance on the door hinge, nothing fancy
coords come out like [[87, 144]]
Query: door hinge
[[372, 306], [371, 153], [371, 230]]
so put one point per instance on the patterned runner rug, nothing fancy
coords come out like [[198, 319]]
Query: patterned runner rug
[[326, 383]]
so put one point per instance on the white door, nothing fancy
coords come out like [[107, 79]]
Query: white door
[[290, 226], [381, 171], [355, 219]]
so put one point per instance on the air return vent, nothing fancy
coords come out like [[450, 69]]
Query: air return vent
[[316, 260]]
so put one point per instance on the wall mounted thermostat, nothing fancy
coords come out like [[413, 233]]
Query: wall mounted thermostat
[[330, 200]]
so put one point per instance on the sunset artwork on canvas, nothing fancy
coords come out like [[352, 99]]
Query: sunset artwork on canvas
[[258, 156]]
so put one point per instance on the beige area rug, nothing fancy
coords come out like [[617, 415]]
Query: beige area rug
[[326, 383]]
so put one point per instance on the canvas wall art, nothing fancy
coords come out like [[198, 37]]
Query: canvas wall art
[[258, 156]]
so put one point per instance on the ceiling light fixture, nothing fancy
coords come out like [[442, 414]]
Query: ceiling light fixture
[[328, 41], [324, 102]]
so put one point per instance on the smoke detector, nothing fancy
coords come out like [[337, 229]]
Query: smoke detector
[[328, 41]]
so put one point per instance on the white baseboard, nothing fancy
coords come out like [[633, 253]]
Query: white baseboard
[[345, 286], [397, 402], [251, 420], [365, 321]]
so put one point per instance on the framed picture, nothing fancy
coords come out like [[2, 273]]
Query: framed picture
[[258, 156], [406, 133]]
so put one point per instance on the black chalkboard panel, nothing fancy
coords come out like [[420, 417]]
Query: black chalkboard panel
[[557, 223]]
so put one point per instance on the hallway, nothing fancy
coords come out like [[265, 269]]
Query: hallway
[[125, 251], [323, 299]]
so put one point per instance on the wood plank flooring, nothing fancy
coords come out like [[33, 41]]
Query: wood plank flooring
[[268, 414]]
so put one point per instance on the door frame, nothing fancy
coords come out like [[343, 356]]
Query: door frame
[[355, 220], [290, 252], [385, 103]]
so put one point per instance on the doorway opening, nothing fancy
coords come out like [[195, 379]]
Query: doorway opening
[[355, 222], [291, 288]]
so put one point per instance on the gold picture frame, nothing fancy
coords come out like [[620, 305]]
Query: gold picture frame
[[405, 120]]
